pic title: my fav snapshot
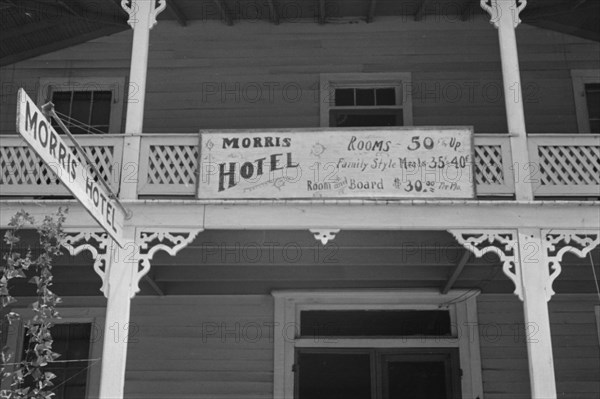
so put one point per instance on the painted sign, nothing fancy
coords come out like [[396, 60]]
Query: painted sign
[[351, 163], [47, 143]]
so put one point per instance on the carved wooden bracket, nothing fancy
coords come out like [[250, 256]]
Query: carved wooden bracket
[[135, 10], [97, 243], [502, 243], [152, 240], [558, 242], [499, 9], [324, 235]]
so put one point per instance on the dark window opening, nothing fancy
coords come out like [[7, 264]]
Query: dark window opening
[[592, 96], [83, 112], [356, 323], [72, 342], [334, 376], [365, 97], [377, 374], [362, 107]]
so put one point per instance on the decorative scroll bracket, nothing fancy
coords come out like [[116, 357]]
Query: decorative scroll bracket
[[137, 8], [499, 9], [77, 242], [151, 240], [578, 242], [502, 243], [324, 235]]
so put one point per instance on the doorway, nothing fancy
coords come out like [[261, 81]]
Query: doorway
[[359, 373]]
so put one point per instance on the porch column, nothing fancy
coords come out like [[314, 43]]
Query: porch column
[[142, 18], [121, 277], [535, 279], [118, 279], [505, 17], [531, 260]]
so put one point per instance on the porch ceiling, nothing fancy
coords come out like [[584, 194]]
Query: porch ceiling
[[34, 27], [259, 261]]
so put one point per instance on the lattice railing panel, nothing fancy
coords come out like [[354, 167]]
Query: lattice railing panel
[[172, 164], [21, 165], [569, 165], [488, 165], [22, 172]]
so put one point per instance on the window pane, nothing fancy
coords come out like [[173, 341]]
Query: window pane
[[101, 110], [344, 97], [365, 96], [417, 380], [592, 95], [334, 376], [62, 105], [62, 101], [81, 106], [342, 323], [386, 96]]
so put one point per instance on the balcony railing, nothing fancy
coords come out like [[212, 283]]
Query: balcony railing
[[561, 165]]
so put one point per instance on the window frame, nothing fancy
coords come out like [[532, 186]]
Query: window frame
[[115, 85], [95, 316], [332, 81], [579, 78], [463, 317]]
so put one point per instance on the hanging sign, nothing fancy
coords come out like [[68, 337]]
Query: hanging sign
[[47, 143], [397, 163]]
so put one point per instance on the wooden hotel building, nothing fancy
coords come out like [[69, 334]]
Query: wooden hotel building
[[492, 295]]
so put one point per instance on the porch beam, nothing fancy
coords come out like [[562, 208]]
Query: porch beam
[[466, 9], [273, 10], [504, 16], [224, 11], [421, 10], [55, 9], [456, 272], [174, 8], [322, 13], [345, 215], [150, 281], [371, 11]]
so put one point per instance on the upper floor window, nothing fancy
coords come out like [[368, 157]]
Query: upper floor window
[[370, 99], [586, 88], [86, 106]]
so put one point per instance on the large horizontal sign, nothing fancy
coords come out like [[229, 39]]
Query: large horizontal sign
[[365, 163], [47, 143]]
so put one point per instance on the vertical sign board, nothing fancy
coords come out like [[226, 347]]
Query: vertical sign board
[[398, 163], [46, 142]]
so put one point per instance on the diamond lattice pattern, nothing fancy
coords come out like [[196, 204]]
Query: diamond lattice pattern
[[488, 164], [569, 165], [172, 164], [22, 166]]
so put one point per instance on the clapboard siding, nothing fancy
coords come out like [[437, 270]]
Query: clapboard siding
[[221, 346], [575, 343], [504, 364], [201, 347], [259, 75], [504, 352]]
